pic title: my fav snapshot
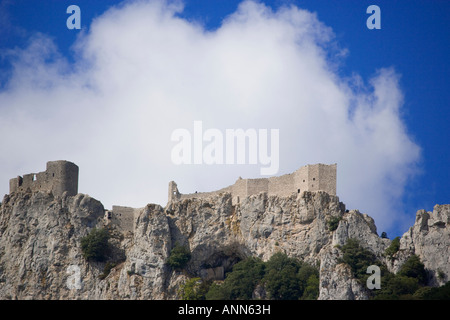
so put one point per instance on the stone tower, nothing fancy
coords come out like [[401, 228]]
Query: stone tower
[[60, 176], [316, 177], [174, 194]]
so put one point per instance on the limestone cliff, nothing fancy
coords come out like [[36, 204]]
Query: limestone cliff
[[41, 258], [429, 238]]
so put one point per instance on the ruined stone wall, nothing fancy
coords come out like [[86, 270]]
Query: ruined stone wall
[[59, 177], [63, 176], [313, 178], [123, 218], [307, 178], [239, 190], [204, 195], [282, 185], [328, 178], [173, 191], [301, 178], [255, 186]]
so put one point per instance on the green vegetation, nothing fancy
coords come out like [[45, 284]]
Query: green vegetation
[[98, 246], [280, 278], [408, 283], [287, 278], [179, 257], [193, 289], [441, 293], [405, 284], [333, 223], [441, 274], [358, 258], [95, 245], [414, 268], [240, 283], [107, 270], [393, 248]]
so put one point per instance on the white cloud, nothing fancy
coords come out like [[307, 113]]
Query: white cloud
[[141, 72]]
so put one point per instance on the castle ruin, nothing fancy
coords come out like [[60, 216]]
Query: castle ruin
[[60, 176], [315, 177]]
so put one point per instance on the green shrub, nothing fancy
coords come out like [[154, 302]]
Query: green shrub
[[333, 223], [244, 278], [403, 285], [440, 293], [240, 283], [107, 270], [193, 289], [414, 268], [95, 245], [408, 283], [179, 257], [218, 292], [309, 280], [358, 258], [281, 277], [393, 247], [441, 274]]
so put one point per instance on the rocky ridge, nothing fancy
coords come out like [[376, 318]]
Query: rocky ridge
[[41, 258]]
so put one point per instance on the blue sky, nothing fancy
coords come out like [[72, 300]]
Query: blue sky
[[414, 42]]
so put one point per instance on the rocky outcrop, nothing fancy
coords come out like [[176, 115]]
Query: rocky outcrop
[[336, 280], [40, 245], [41, 258], [429, 239]]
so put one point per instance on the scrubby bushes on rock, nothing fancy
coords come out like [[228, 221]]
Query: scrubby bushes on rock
[[95, 245]]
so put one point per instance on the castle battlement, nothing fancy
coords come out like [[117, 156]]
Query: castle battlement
[[59, 177], [315, 177]]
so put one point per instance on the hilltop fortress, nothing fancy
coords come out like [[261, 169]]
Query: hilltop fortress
[[316, 177], [62, 177]]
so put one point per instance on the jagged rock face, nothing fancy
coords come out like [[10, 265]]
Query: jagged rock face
[[259, 226], [428, 238], [40, 238], [296, 225], [143, 275], [336, 280]]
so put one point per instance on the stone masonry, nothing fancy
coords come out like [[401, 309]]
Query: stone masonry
[[62, 176], [59, 177], [316, 177]]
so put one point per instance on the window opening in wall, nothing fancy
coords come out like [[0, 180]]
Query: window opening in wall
[[314, 179], [53, 174], [303, 180], [34, 177], [298, 190]]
